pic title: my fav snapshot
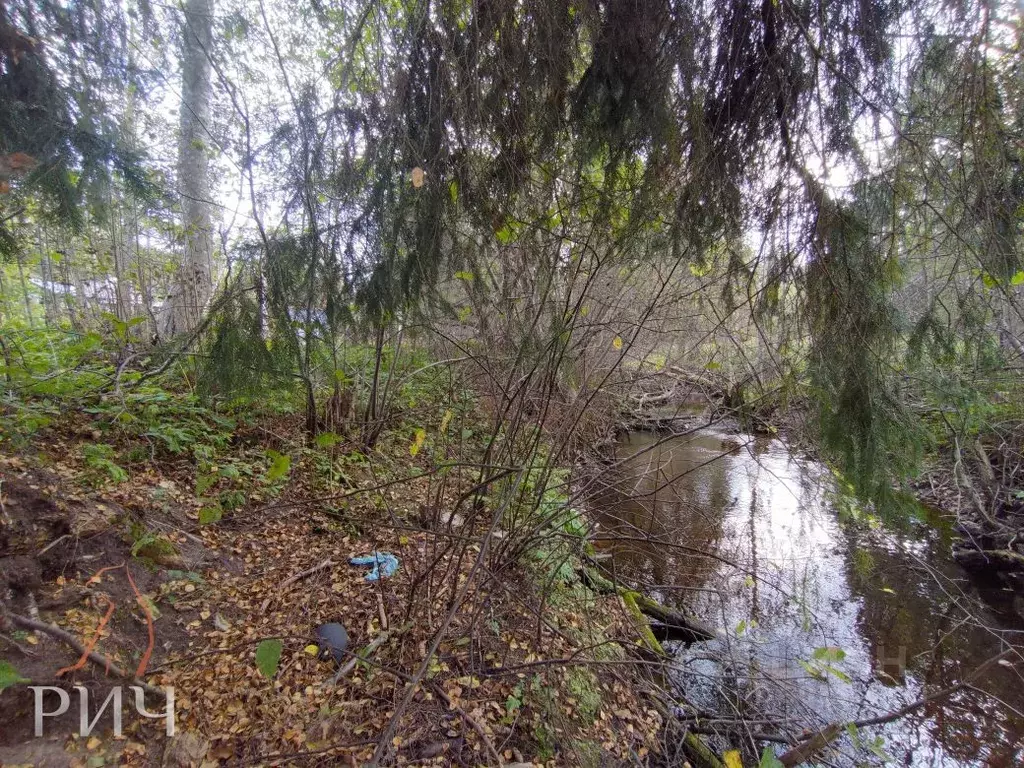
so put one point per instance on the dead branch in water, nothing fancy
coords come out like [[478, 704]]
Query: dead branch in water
[[816, 741]]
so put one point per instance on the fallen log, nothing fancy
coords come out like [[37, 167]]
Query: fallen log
[[682, 627], [986, 559], [698, 753]]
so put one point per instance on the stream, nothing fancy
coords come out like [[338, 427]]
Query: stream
[[827, 615]]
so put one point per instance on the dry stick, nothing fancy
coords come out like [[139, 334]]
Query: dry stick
[[472, 723], [52, 544], [297, 577], [815, 742], [384, 742], [69, 639], [309, 572], [363, 654], [380, 610], [3, 509], [15, 644]]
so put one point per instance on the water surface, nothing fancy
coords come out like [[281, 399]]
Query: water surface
[[798, 569]]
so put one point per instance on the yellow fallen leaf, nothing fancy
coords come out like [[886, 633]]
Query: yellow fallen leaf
[[32, 640], [617, 343], [732, 759], [312, 649], [92, 743]]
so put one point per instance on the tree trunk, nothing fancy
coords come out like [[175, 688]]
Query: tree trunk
[[194, 282]]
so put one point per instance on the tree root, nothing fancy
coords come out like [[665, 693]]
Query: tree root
[[68, 639]]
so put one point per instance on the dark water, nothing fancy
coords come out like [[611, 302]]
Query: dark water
[[807, 571]]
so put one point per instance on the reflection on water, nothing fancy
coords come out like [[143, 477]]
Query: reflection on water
[[790, 578]]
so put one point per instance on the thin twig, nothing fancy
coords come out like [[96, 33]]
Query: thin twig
[[471, 721], [303, 574]]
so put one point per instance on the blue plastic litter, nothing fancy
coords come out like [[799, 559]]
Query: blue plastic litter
[[384, 564]]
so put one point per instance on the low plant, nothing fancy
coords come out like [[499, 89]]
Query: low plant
[[101, 466]]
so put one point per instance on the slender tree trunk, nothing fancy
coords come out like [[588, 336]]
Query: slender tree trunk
[[24, 292], [194, 282], [370, 417]]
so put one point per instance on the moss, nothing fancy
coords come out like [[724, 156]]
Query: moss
[[587, 754], [584, 688], [700, 753], [629, 598]]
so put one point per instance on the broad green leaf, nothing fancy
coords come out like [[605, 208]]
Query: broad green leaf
[[327, 439], [209, 515], [507, 233], [837, 673], [769, 760], [463, 275], [151, 604], [1018, 278], [205, 482], [814, 672], [268, 656], [829, 654], [854, 734], [9, 676], [279, 467]]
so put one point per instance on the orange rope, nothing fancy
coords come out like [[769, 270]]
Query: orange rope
[[144, 662], [95, 578], [91, 644]]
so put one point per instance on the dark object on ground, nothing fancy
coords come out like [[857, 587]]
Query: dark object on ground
[[333, 640]]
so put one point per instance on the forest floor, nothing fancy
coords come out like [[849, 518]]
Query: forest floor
[[89, 534]]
